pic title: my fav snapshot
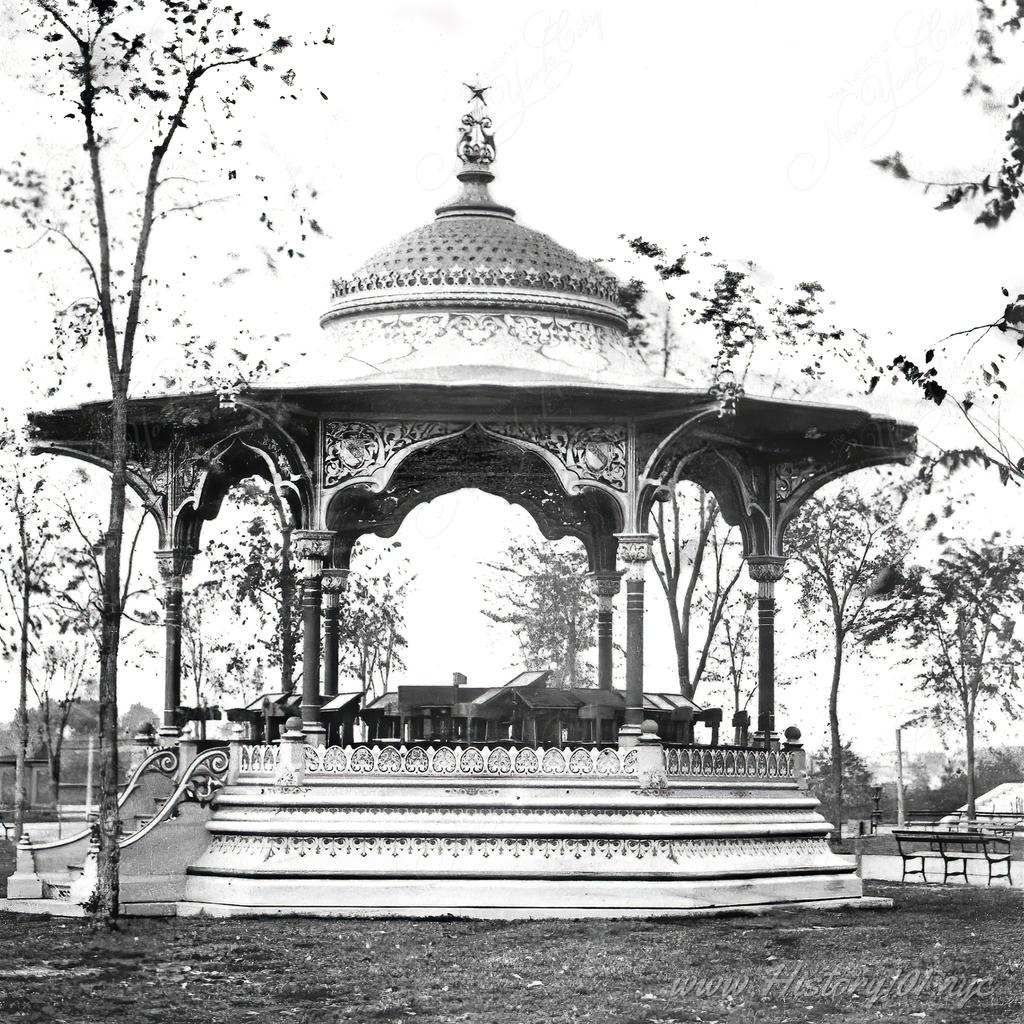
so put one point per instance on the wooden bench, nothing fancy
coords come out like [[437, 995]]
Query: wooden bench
[[953, 847]]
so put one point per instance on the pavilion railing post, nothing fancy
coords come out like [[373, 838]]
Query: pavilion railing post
[[606, 584], [766, 571], [174, 565], [635, 551], [312, 547], [333, 585]]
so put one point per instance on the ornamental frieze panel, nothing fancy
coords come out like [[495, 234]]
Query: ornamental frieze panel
[[588, 452], [481, 275], [361, 450], [656, 853], [557, 338], [355, 449]]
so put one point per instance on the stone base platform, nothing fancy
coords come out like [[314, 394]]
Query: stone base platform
[[387, 836]]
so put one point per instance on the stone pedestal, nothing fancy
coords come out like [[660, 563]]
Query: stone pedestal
[[24, 884]]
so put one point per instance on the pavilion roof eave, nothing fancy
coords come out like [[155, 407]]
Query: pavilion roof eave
[[644, 400]]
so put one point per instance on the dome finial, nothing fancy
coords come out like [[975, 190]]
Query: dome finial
[[476, 140], [476, 150]]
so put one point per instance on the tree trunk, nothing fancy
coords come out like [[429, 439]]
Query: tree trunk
[[104, 906], [21, 752], [570, 651], [286, 611], [833, 724], [971, 794], [679, 638]]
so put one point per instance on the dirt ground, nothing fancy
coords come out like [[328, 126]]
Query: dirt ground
[[945, 954]]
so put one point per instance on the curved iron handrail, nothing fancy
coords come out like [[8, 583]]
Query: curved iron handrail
[[199, 782], [164, 761]]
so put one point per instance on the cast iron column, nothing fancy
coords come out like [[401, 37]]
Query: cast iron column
[[312, 547], [606, 584], [333, 583], [635, 551], [174, 564], [766, 571]]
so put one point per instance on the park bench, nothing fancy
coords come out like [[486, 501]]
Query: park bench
[[953, 847], [6, 829]]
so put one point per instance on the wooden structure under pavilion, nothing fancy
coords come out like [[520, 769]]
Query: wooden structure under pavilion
[[524, 710], [476, 353]]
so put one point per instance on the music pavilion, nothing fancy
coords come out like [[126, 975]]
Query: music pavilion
[[475, 352]]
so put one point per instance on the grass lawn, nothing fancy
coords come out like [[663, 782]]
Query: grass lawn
[[789, 966]]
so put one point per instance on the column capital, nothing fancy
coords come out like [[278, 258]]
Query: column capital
[[605, 583], [173, 564], [313, 548], [766, 571], [635, 550], [333, 583]]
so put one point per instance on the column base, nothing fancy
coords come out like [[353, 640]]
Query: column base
[[314, 734], [629, 735], [772, 744]]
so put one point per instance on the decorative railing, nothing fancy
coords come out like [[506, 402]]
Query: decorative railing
[[261, 760], [728, 763], [258, 759], [483, 761]]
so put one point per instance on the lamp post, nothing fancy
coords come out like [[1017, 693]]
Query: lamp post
[[900, 812]]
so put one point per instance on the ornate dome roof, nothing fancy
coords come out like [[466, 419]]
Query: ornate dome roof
[[474, 287], [485, 251]]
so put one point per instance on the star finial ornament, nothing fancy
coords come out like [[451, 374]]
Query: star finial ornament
[[477, 92]]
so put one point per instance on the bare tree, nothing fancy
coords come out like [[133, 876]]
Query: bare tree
[[843, 543], [66, 679], [698, 578]]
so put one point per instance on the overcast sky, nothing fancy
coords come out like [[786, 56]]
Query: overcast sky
[[750, 122]]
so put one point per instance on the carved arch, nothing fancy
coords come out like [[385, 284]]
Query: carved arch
[[475, 458]]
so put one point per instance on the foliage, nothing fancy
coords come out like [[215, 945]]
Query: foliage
[[750, 335], [854, 798], [994, 196], [960, 617], [253, 571], [994, 767], [545, 597]]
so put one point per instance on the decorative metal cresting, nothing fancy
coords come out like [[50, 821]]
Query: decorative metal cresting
[[258, 759], [476, 139], [472, 761], [728, 764]]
